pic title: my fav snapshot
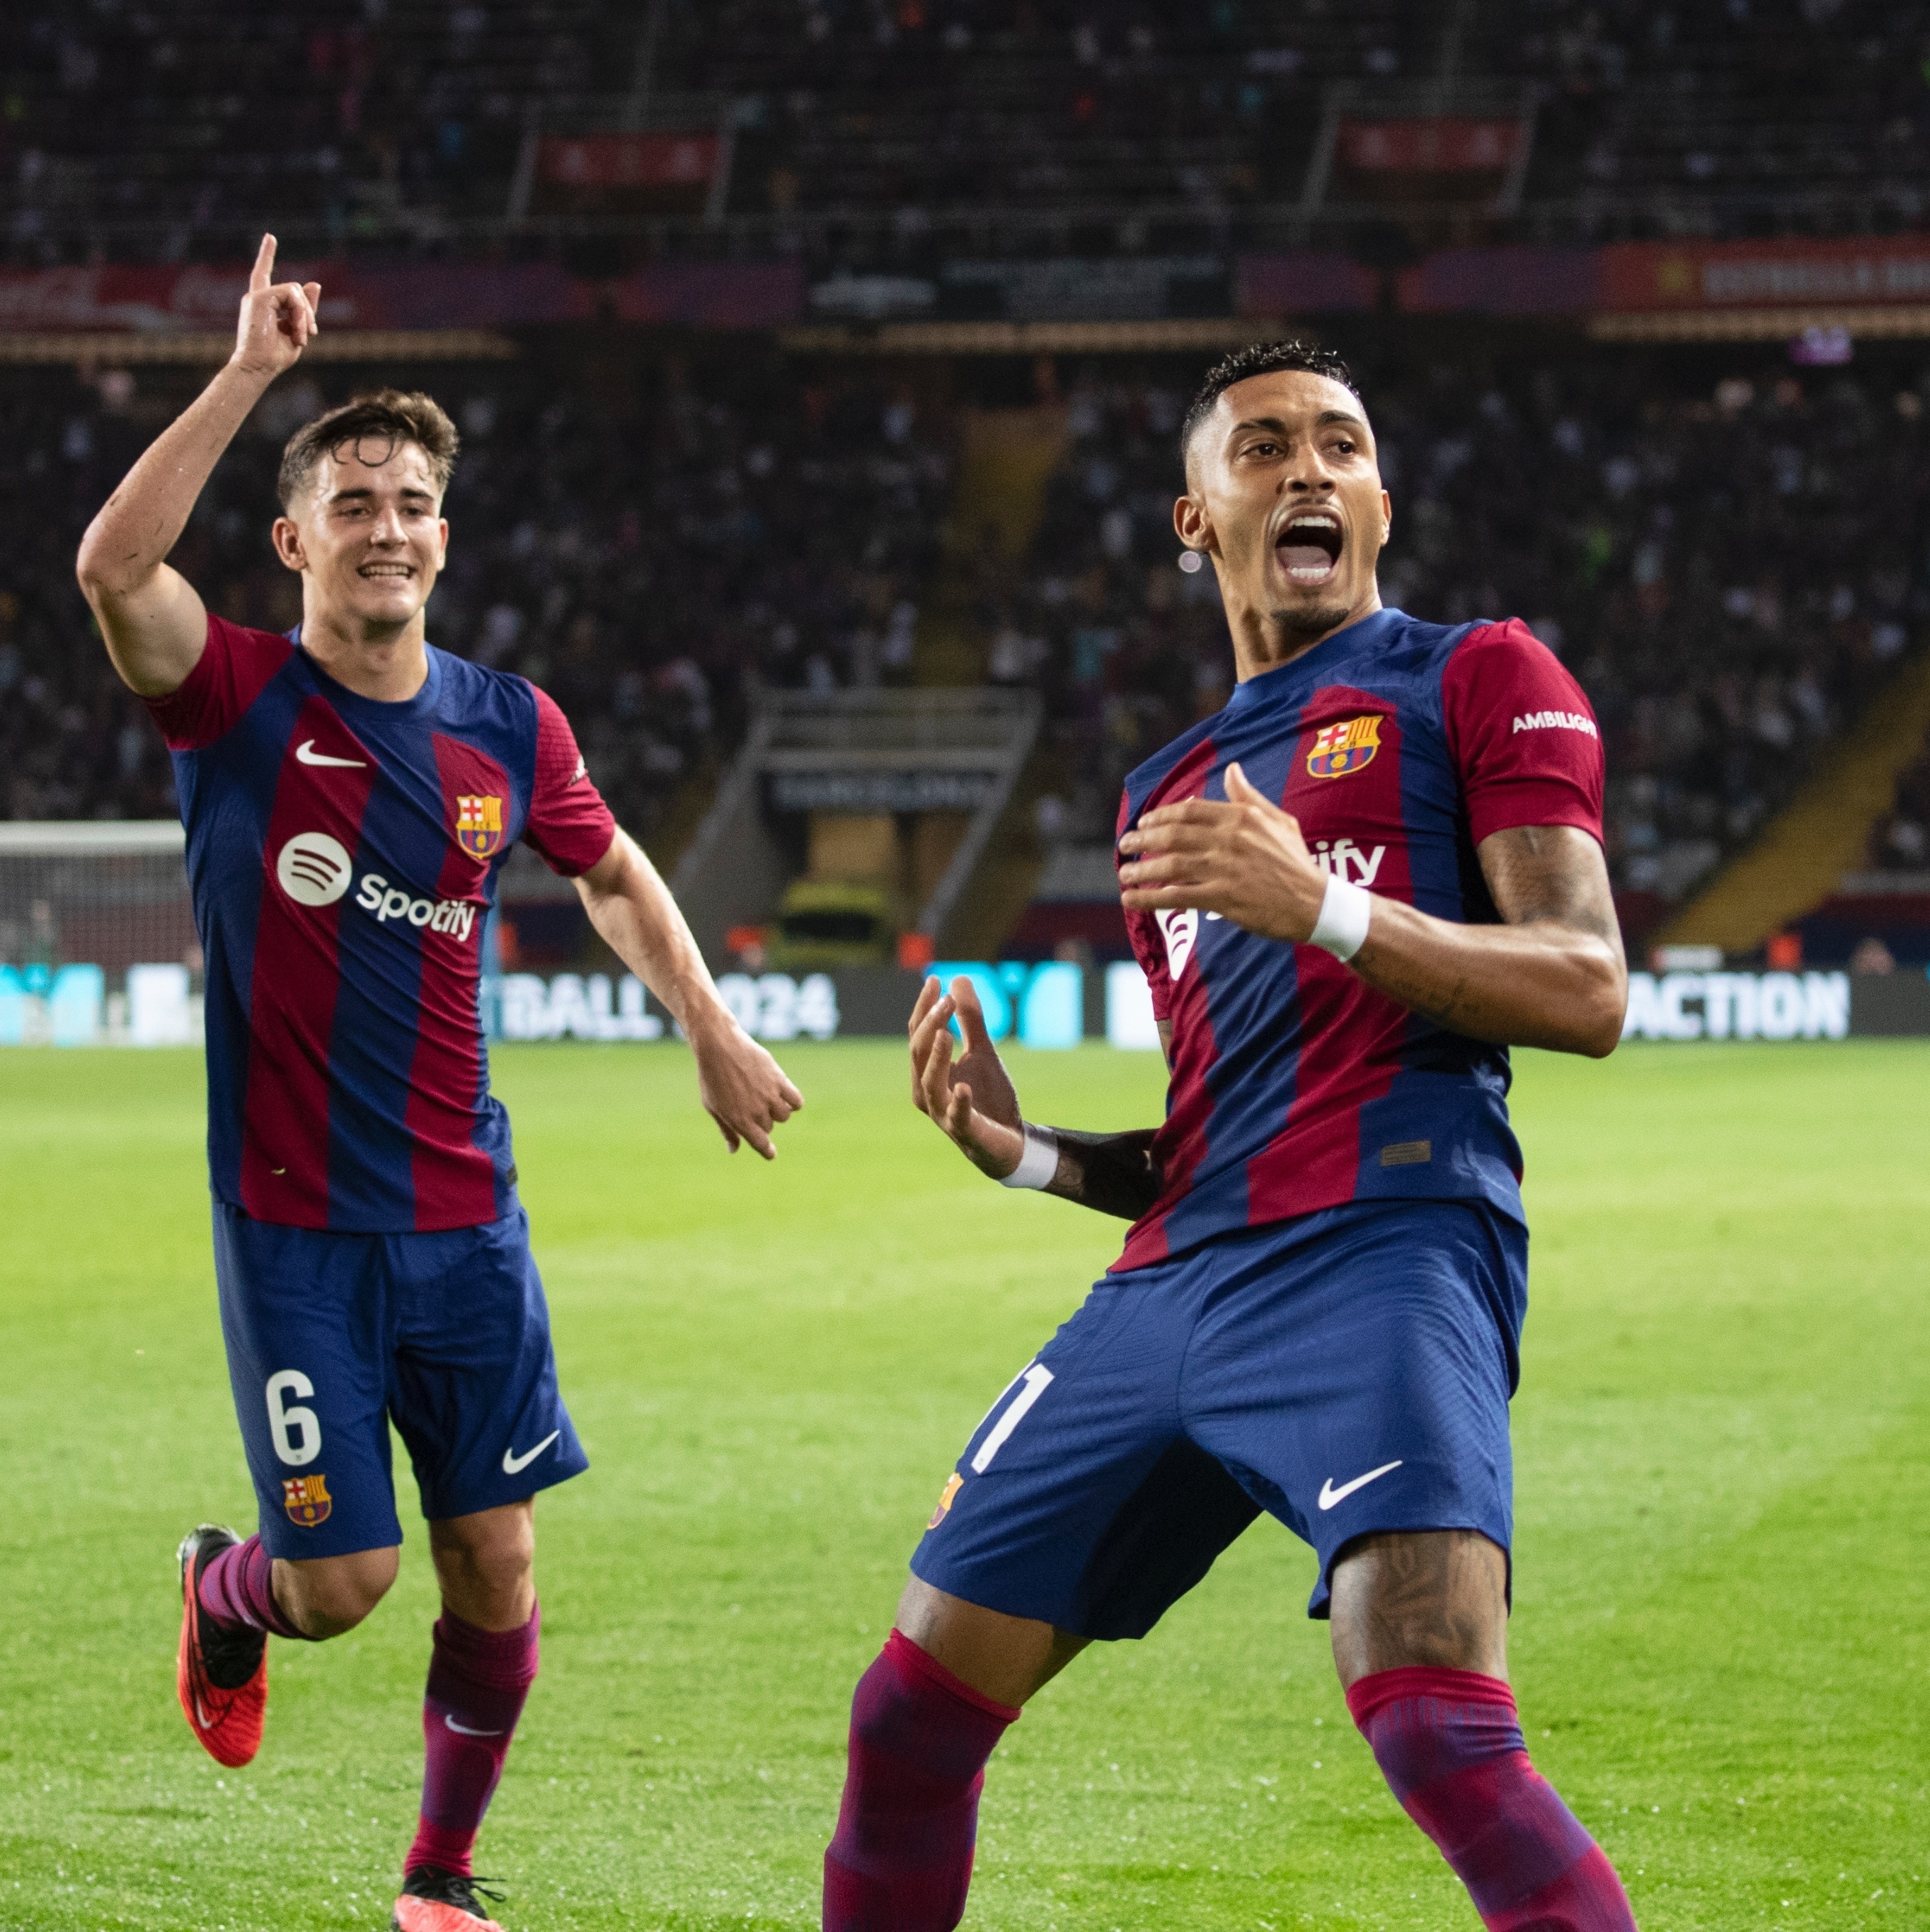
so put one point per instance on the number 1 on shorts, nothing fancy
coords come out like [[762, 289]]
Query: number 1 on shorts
[[1036, 1379]]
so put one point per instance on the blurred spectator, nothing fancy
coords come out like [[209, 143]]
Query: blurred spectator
[[1901, 841]]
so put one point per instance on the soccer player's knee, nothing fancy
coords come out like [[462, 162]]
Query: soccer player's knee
[[495, 1552], [329, 1595]]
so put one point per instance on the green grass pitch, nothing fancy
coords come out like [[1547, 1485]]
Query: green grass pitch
[[1721, 1642]]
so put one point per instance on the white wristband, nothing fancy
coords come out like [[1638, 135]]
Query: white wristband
[[1039, 1162], [1342, 928]]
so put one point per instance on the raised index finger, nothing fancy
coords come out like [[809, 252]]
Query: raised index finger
[[262, 273]]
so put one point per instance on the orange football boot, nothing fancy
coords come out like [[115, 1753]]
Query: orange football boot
[[220, 1674], [435, 1901]]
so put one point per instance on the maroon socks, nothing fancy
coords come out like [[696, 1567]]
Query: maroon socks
[[237, 1588], [902, 1859], [1449, 1744], [477, 1680]]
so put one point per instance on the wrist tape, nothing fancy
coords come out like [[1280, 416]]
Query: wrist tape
[[1342, 928], [1038, 1163]]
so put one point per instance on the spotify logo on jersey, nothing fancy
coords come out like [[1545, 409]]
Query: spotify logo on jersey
[[313, 869]]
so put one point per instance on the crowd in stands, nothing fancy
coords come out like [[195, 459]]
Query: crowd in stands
[[167, 131], [643, 540], [1730, 558], [1730, 563], [1901, 842], [143, 130]]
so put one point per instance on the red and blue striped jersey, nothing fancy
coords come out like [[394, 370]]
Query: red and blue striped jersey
[[342, 853], [1295, 1086]]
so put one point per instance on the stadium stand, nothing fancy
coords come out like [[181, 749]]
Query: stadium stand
[[868, 133], [641, 550], [1701, 553], [654, 522], [1901, 842]]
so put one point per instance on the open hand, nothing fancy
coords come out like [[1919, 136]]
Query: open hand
[[1245, 859], [278, 319], [742, 1088], [980, 1112]]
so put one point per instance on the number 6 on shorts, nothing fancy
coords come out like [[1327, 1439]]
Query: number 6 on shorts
[[282, 1416]]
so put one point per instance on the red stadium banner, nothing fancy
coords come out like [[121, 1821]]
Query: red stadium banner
[[628, 161], [1428, 145], [1643, 276]]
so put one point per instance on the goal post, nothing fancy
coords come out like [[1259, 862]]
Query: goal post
[[97, 935]]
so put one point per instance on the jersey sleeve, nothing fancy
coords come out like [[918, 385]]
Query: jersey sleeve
[[234, 665], [1142, 929], [569, 824], [1521, 733]]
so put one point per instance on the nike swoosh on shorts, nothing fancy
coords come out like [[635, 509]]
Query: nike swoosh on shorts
[[306, 753], [1329, 1495], [514, 1464]]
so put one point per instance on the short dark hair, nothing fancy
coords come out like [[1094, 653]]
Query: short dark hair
[[396, 416], [1260, 358]]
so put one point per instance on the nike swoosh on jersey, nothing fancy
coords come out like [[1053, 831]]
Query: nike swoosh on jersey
[[466, 1730], [514, 1464], [306, 753], [1329, 1495]]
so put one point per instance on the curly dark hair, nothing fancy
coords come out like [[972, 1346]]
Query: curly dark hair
[[1260, 358], [396, 416]]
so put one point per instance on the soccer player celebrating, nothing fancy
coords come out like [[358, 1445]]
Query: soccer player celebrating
[[1351, 890], [350, 795]]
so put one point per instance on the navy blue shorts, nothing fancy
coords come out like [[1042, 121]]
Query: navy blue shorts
[[331, 1335], [1348, 1371]]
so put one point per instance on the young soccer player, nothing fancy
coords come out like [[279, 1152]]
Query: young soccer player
[[350, 794], [1350, 890]]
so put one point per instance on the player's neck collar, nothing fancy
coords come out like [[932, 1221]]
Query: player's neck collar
[[423, 699], [1289, 680]]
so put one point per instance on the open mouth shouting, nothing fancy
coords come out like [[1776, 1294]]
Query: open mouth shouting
[[1309, 547]]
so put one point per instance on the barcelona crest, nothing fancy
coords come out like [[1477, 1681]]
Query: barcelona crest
[[480, 825], [307, 1500], [1349, 746], [952, 1488]]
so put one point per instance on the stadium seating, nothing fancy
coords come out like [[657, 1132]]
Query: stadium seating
[[644, 552], [1699, 543], [1703, 553], [864, 128], [1901, 842]]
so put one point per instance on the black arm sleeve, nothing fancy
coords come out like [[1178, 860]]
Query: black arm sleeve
[[1112, 1173]]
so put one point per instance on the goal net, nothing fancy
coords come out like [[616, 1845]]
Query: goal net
[[97, 935]]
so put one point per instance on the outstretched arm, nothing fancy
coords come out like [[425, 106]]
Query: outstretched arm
[[978, 1112], [744, 1090], [153, 621], [1552, 975]]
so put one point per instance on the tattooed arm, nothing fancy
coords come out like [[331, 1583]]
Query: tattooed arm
[[1550, 974]]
